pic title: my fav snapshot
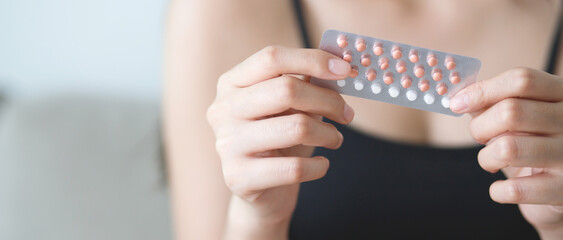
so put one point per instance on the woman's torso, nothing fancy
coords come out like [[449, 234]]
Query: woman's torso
[[383, 183], [502, 34]]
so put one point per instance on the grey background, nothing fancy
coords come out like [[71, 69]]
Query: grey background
[[80, 144]]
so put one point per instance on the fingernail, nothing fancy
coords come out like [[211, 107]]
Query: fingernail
[[348, 113], [338, 66], [460, 102]]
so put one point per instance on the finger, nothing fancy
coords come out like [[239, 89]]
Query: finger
[[541, 188], [521, 151], [283, 93], [516, 83], [287, 131], [517, 115], [274, 61], [264, 173]]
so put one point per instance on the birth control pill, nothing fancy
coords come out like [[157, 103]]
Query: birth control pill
[[441, 89], [394, 92], [376, 88], [454, 78], [445, 102], [413, 56], [378, 49], [437, 74], [412, 95], [401, 66], [418, 71], [431, 60], [354, 72], [347, 56], [383, 63], [406, 81], [450, 63], [396, 52], [423, 85], [360, 45], [366, 60], [358, 85], [429, 98], [342, 41], [388, 78], [371, 74]]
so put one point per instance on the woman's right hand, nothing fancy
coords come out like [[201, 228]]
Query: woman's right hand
[[267, 122]]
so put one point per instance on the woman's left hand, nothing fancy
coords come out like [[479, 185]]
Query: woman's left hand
[[519, 116]]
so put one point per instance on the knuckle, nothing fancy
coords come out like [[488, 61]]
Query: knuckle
[[475, 131], [478, 92], [222, 146], [287, 90], [230, 181], [514, 192], [221, 81], [269, 55], [211, 114], [510, 113], [506, 150], [339, 104], [522, 72], [335, 95], [236, 181], [318, 59], [300, 127], [293, 170], [231, 178], [523, 78]]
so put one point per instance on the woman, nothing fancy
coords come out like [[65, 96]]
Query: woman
[[399, 173]]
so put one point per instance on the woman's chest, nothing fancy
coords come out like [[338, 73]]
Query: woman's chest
[[502, 35]]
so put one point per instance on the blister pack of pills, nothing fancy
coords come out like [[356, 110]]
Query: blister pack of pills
[[398, 73]]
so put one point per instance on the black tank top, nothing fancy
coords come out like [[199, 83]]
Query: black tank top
[[378, 189]]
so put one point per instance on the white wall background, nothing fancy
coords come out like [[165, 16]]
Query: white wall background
[[80, 154], [99, 46]]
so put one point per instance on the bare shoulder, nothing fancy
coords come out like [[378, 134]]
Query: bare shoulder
[[236, 27]]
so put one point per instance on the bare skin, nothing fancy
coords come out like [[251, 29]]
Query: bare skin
[[486, 30]]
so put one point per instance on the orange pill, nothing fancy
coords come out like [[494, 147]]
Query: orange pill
[[354, 72], [388, 78], [413, 56], [342, 41], [360, 45], [441, 88], [383, 63], [431, 60], [423, 85], [396, 52], [347, 56], [455, 78], [378, 49], [419, 71], [366, 60], [401, 66], [371, 74], [437, 74], [406, 81], [450, 63]]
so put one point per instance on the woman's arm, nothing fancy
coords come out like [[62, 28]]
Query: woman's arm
[[204, 39]]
